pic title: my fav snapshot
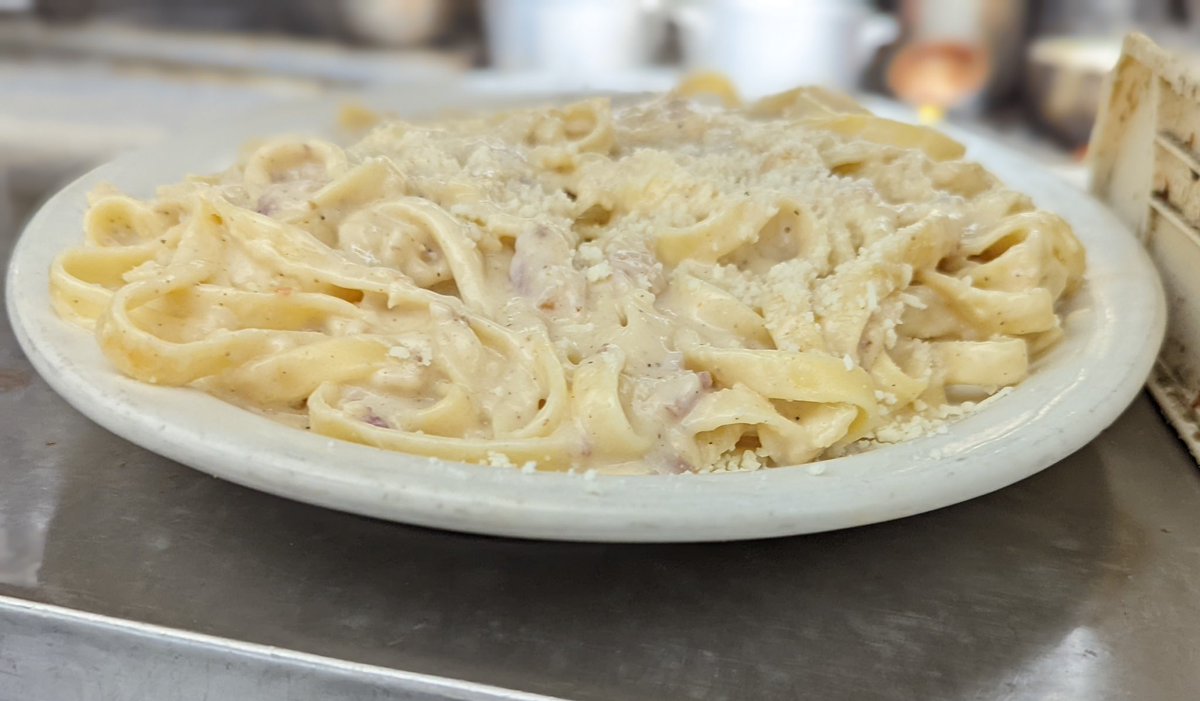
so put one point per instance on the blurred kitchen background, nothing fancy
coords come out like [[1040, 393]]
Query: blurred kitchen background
[[81, 80]]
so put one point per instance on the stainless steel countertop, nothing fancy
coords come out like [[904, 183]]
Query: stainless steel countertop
[[1082, 582]]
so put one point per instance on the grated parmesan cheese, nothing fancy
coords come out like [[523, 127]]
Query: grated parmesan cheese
[[418, 349], [495, 459], [912, 300], [590, 253], [599, 271]]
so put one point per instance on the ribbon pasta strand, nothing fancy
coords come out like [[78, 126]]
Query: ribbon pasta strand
[[665, 286]]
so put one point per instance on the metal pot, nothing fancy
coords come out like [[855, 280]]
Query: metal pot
[[1066, 81]]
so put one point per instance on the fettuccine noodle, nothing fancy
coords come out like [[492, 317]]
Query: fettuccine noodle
[[669, 286]]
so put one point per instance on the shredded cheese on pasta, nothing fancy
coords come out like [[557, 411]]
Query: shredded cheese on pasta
[[662, 287]]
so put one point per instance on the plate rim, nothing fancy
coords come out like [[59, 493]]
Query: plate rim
[[558, 506]]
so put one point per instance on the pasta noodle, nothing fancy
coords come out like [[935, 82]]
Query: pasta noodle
[[667, 286]]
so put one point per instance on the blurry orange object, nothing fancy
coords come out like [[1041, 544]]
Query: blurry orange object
[[939, 75]]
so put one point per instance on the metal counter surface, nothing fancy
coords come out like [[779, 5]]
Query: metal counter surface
[[124, 575]]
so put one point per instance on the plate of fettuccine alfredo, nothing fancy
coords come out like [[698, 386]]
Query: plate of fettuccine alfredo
[[645, 319]]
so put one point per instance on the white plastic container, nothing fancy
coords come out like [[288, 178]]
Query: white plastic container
[[577, 37], [767, 46]]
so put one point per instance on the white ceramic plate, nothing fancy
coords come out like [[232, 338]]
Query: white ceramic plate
[[1113, 333]]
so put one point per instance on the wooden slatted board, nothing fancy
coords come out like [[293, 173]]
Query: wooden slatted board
[[1145, 162]]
